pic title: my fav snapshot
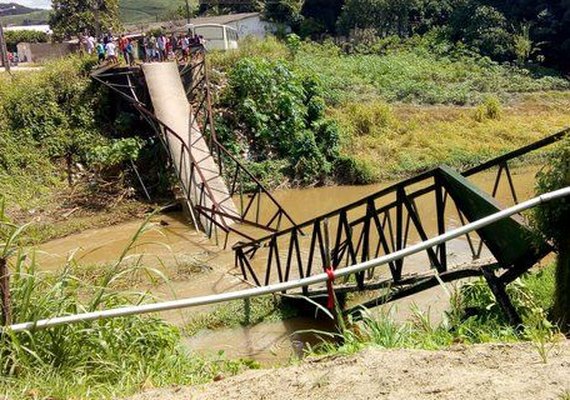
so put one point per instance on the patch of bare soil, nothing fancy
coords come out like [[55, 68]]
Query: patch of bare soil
[[88, 204], [494, 371]]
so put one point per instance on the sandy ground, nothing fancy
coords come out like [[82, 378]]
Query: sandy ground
[[480, 372]]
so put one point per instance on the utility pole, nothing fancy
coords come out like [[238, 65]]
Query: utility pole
[[3, 47], [187, 12]]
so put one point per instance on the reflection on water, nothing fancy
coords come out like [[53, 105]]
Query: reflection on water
[[268, 343]]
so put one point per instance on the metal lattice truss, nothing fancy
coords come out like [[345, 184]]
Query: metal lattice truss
[[389, 220]]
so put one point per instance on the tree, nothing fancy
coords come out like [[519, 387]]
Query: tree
[[219, 7], [387, 17], [284, 11], [72, 17], [320, 16], [553, 220], [483, 28]]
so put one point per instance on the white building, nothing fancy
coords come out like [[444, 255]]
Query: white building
[[246, 24]]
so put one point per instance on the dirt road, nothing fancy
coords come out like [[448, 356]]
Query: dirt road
[[479, 372]]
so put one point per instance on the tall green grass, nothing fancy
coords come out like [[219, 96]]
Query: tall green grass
[[101, 359], [414, 72], [473, 317]]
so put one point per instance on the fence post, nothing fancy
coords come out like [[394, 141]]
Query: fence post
[[5, 289]]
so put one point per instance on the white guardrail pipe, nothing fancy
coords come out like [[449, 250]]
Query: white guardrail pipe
[[280, 287]]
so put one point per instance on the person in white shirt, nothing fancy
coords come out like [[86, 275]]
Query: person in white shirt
[[90, 44], [111, 50]]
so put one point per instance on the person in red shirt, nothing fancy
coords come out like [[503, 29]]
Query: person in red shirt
[[123, 46]]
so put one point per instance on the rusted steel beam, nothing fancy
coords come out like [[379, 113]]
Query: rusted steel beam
[[499, 291]]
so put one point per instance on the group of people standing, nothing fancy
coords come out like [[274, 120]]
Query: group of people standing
[[162, 48], [108, 49], [151, 47]]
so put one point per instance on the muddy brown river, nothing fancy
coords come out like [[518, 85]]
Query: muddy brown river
[[170, 244]]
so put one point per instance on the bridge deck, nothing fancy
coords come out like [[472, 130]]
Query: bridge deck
[[172, 107]]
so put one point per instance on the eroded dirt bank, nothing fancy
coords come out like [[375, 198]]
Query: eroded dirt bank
[[493, 371]]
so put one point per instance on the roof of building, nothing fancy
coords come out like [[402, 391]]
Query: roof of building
[[223, 19], [216, 19]]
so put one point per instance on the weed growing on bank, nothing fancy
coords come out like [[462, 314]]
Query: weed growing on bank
[[474, 317], [100, 359], [396, 140]]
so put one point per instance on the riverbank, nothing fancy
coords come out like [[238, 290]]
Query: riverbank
[[491, 371]]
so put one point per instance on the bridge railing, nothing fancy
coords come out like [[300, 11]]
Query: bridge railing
[[256, 205], [380, 224], [259, 212], [283, 287], [194, 175]]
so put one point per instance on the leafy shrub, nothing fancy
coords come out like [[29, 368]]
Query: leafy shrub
[[280, 112], [116, 152], [14, 37], [53, 109], [490, 109], [552, 220], [354, 171]]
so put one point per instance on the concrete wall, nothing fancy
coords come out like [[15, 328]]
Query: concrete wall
[[37, 52]]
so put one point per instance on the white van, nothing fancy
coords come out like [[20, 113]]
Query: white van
[[217, 37]]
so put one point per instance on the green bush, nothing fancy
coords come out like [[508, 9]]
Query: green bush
[[552, 221], [490, 109], [14, 37], [54, 109], [59, 115], [281, 115], [353, 171], [116, 152]]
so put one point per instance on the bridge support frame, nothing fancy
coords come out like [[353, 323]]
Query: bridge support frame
[[498, 287]]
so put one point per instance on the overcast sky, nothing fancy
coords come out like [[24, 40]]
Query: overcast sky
[[30, 3]]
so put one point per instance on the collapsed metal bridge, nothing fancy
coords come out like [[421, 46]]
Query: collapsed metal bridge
[[390, 219], [243, 206], [275, 249]]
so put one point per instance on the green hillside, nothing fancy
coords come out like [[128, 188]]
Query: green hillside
[[33, 18], [133, 11], [15, 9], [16, 14]]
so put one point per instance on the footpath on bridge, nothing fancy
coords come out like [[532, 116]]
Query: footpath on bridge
[[171, 106]]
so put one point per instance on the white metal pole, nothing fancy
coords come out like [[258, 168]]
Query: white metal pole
[[247, 293]]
